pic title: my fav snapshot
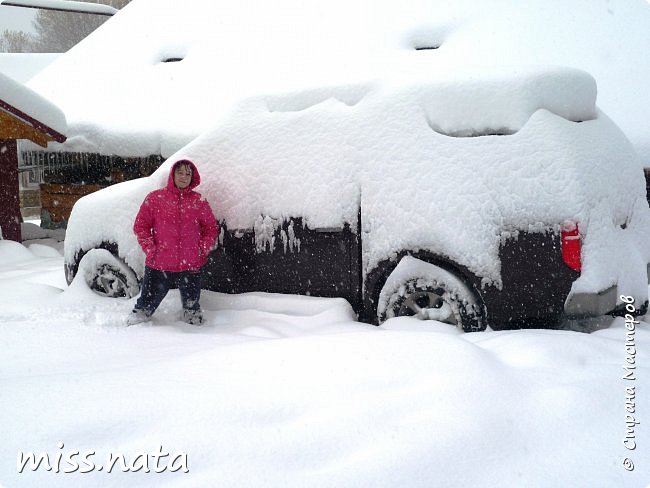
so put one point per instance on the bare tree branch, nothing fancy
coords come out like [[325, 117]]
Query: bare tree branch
[[12, 41]]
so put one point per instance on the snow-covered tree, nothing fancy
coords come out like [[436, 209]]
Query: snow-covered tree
[[58, 31], [12, 41]]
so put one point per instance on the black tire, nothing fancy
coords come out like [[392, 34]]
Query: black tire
[[107, 275], [431, 293]]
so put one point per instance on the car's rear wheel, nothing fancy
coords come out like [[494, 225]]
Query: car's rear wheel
[[107, 275], [425, 291]]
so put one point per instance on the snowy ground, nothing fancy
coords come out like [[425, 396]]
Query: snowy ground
[[292, 392]]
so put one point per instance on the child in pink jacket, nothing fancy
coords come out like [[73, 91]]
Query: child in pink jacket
[[176, 230]]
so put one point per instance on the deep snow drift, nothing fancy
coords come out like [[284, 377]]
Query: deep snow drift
[[286, 391]]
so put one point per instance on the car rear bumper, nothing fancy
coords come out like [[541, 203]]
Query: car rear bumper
[[583, 305], [580, 305]]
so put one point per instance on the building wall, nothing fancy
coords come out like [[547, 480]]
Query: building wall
[[9, 199], [61, 178]]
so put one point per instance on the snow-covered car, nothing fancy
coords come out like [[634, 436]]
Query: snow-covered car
[[500, 197]]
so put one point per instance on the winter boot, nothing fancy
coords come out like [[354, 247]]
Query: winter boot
[[137, 317], [193, 317]]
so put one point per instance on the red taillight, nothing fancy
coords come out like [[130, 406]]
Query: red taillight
[[571, 246]]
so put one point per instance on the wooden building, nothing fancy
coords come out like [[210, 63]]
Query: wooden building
[[65, 177], [23, 115]]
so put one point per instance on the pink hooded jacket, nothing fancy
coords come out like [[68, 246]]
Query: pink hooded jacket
[[176, 227]]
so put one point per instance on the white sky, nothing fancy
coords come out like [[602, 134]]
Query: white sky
[[16, 18]]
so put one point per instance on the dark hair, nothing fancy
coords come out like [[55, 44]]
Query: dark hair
[[183, 164]]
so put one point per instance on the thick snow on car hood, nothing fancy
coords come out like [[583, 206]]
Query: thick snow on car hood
[[121, 97], [320, 154]]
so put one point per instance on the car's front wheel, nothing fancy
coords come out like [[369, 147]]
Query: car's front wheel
[[428, 292], [108, 275]]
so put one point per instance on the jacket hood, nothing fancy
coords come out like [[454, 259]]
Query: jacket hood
[[196, 177]]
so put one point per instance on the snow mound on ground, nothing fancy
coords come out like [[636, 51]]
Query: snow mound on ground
[[12, 252], [43, 250], [369, 407], [274, 303], [262, 397], [30, 231]]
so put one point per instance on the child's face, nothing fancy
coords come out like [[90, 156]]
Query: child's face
[[182, 176]]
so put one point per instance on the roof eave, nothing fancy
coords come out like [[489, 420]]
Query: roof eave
[[40, 126]]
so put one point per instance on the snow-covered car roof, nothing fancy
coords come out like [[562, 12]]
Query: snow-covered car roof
[[122, 93]]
